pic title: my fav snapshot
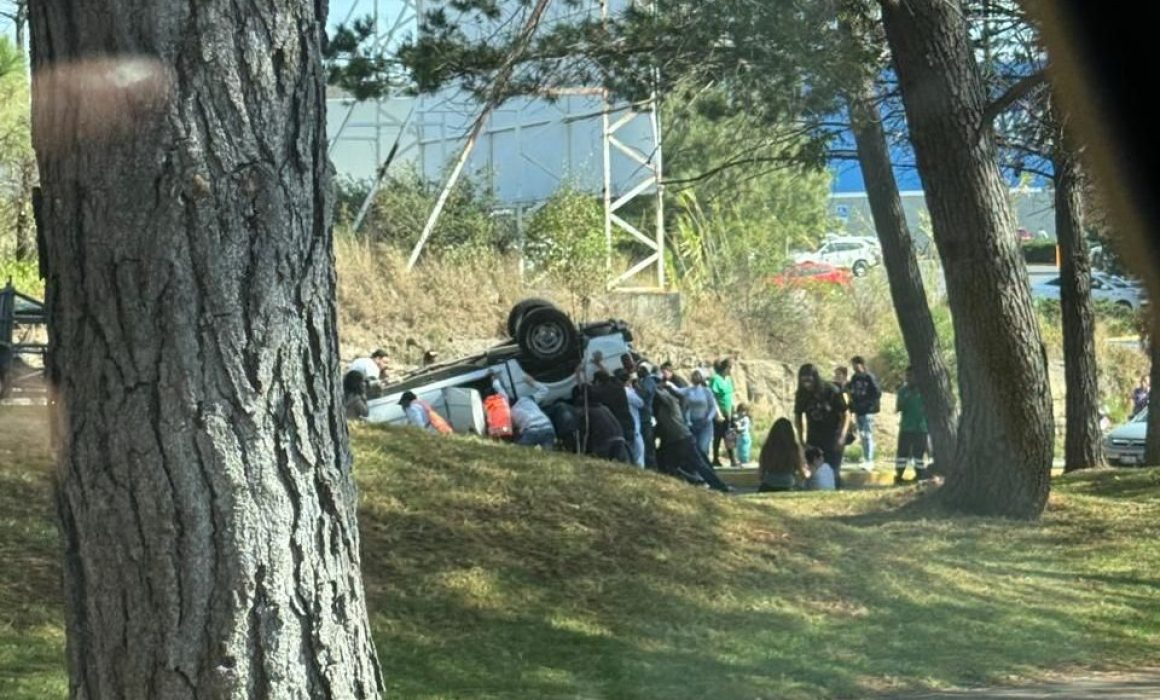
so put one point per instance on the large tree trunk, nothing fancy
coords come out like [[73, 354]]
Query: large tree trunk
[[1083, 442], [205, 495], [905, 277], [1006, 432]]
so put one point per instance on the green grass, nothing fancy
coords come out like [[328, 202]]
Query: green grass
[[494, 572]]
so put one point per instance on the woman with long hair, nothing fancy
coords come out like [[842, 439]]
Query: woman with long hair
[[781, 465]]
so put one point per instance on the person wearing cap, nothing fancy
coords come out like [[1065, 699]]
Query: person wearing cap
[[374, 367], [415, 412], [533, 427]]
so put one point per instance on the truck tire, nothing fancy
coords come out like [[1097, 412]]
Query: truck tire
[[523, 307], [548, 338]]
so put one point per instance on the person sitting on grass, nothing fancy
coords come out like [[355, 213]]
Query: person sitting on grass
[[781, 465], [821, 475]]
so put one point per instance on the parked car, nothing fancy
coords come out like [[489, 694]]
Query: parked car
[[856, 253], [1124, 445], [545, 345], [809, 273], [20, 311], [1102, 290]]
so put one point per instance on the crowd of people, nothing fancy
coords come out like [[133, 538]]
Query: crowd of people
[[652, 418]]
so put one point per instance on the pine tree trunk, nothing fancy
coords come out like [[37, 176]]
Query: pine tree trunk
[[205, 497], [1006, 431], [1083, 442], [905, 277]]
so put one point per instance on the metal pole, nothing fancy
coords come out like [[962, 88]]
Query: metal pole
[[493, 100], [606, 139], [452, 179]]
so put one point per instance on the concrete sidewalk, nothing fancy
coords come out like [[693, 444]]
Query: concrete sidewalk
[[1138, 685]]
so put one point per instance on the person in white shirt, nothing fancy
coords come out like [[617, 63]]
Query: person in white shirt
[[635, 406], [372, 367], [532, 425], [821, 474]]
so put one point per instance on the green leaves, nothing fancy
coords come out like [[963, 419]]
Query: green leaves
[[565, 241]]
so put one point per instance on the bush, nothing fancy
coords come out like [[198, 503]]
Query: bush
[[25, 275], [565, 243], [1039, 252], [405, 201]]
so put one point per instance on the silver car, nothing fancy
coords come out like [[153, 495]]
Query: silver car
[[1124, 445]]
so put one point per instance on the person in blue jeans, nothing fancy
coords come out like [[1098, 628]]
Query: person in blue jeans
[[700, 410], [533, 427], [865, 402]]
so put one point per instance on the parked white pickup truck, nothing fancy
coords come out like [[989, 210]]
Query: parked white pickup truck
[[545, 345]]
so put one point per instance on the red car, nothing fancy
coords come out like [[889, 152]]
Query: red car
[[811, 273]]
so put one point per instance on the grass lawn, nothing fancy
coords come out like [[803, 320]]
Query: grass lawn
[[500, 573]]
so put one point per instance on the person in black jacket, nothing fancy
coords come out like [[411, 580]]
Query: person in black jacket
[[600, 433], [678, 454], [865, 402], [822, 405]]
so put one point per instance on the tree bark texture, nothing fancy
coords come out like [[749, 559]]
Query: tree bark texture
[[204, 495], [905, 277], [1083, 442], [1006, 431]]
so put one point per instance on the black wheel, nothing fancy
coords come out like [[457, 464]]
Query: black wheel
[[518, 311], [547, 337], [860, 268]]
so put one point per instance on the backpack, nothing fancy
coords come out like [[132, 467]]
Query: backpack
[[499, 416]]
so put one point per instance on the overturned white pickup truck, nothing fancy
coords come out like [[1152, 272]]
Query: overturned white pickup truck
[[545, 345]]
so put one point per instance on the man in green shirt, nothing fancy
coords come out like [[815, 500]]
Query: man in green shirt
[[721, 384], [912, 431]]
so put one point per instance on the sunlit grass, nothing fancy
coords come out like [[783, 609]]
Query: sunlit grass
[[494, 572]]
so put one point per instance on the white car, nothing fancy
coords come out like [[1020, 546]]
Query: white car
[[545, 345], [1103, 289], [856, 253]]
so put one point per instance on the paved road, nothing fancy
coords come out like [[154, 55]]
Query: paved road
[[1139, 685]]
